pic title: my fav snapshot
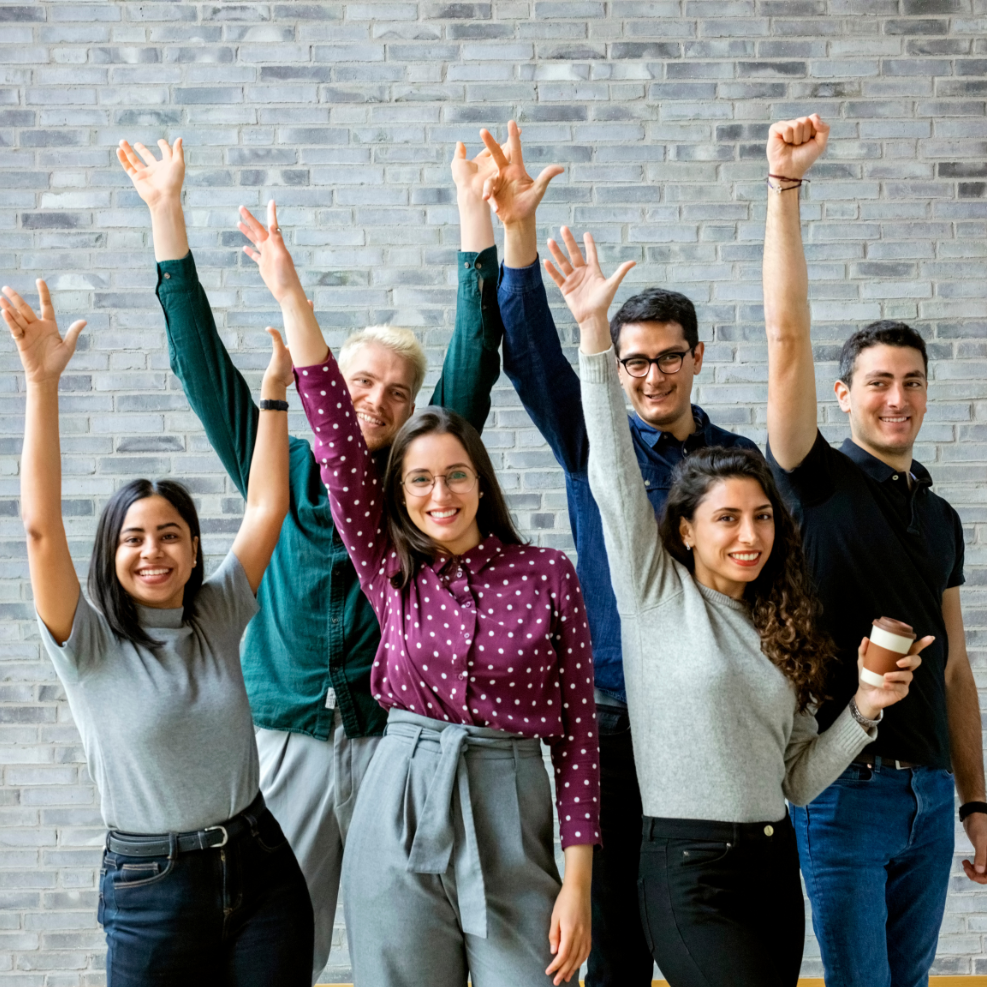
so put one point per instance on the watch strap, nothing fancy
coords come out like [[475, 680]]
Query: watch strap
[[969, 808], [266, 404]]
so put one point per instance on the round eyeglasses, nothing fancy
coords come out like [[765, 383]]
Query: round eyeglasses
[[419, 483], [668, 363]]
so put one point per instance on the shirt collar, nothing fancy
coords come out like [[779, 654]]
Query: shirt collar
[[879, 470], [653, 435], [475, 559], [172, 617]]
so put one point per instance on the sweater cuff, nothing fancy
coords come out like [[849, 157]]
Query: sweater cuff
[[597, 368], [851, 737], [175, 275], [484, 264], [518, 280]]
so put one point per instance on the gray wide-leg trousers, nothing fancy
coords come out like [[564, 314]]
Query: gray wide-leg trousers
[[310, 785], [449, 869]]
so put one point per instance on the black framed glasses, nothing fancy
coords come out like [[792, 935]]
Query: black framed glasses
[[668, 363], [419, 483]]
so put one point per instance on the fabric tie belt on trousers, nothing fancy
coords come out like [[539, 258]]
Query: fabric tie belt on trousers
[[434, 839]]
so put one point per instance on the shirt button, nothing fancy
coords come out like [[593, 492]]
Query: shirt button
[[769, 830], [466, 264], [647, 483], [167, 276], [895, 477], [335, 620], [467, 605]]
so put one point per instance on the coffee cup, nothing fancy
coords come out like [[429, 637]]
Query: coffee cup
[[890, 641]]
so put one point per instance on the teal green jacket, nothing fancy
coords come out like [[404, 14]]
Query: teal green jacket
[[312, 645]]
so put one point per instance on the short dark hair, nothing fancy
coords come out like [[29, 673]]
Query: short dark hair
[[656, 305], [886, 332], [411, 544], [784, 608], [116, 604]]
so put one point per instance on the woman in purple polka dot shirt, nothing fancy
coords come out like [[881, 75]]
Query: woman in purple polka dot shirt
[[485, 650]]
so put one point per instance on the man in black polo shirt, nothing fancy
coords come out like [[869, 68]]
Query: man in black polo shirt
[[876, 846]]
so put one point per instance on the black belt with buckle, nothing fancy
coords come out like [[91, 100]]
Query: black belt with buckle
[[165, 844], [885, 762]]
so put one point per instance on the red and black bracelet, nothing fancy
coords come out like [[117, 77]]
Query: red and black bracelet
[[784, 178]]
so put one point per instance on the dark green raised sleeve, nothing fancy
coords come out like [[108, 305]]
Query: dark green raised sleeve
[[215, 389], [472, 363]]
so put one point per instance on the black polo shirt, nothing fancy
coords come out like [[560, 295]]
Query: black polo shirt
[[876, 548]]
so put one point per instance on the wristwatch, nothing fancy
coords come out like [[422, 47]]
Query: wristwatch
[[266, 404], [861, 719], [969, 808]]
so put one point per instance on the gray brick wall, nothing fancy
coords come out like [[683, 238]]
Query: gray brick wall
[[347, 112]]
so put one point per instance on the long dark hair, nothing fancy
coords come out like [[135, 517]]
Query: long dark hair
[[783, 607], [113, 600], [411, 544]]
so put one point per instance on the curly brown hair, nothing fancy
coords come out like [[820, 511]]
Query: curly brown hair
[[783, 607]]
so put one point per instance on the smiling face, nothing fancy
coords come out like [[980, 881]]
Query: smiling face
[[155, 553], [663, 401], [381, 384], [446, 516], [886, 401], [731, 535]]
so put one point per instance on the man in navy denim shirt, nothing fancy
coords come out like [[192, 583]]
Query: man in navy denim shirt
[[656, 339]]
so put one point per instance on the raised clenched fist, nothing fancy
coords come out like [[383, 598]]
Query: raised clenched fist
[[794, 145]]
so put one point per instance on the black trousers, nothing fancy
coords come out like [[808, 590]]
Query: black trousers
[[722, 902], [620, 956]]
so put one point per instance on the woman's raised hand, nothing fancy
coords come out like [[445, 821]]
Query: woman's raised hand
[[471, 174], [155, 181], [270, 253], [43, 351], [279, 369], [872, 699], [585, 289]]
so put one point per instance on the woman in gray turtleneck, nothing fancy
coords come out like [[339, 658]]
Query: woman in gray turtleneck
[[722, 662]]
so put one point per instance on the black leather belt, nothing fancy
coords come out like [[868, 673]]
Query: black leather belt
[[885, 762], [165, 844]]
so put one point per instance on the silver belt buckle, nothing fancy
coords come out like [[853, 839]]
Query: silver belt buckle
[[226, 836]]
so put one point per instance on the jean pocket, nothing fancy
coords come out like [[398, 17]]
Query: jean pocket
[[140, 873], [269, 835], [642, 899], [612, 722], [693, 853], [855, 774]]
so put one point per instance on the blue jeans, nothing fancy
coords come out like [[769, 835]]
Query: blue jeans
[[876, 849], [239, 916]]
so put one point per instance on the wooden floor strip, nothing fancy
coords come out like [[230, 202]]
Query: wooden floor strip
[[818, 982]]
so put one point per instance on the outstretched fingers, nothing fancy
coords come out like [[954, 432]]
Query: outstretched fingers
[[560, 258], [24, 311], [128, 158], [575, 254], [496, 151], [251, 228], [44, 297], [273, 229], [146, 156]]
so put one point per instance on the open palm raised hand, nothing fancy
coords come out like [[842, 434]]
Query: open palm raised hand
[[43, 352], [270, 252], [512, 193], [585, 289], [472, 174], [154, 180]]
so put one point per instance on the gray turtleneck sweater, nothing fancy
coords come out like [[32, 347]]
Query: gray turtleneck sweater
[[714, 722]]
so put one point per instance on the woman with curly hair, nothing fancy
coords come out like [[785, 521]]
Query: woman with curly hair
[[723, 662]]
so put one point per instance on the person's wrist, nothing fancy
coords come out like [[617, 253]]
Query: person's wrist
[[291, 296], [273, 388], [165, 202], [865, 708]]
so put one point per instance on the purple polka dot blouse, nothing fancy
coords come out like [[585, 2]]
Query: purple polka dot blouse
[[496, 638]]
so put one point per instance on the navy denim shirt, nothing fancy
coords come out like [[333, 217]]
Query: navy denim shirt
[[549, 390]]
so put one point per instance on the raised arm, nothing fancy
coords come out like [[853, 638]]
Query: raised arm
[[44, 356], [792, 148], [215, 389], [305, 339], [472, 361], [159, 184], [267, 488], [348, 471], [533, 359], [629, 528]]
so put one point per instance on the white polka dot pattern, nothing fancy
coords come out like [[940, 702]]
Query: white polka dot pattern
[[496, 638]]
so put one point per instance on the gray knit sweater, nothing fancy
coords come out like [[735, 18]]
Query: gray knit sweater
[[714, 722]]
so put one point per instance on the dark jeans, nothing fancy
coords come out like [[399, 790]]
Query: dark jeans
[[876, 849], [723, 902], [239, 916], [620, 955]]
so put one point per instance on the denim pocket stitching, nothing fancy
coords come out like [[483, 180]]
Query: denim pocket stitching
[[691, 855], [143, 883]]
